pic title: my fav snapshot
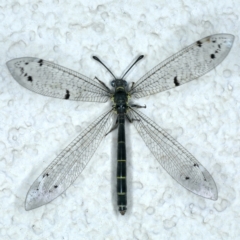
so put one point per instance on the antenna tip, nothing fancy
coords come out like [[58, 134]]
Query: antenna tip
[[95, 57], [140, 57]]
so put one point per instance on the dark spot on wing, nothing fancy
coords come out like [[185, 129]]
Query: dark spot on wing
[[56, 186], [40, 62], [214, 41], [199, 43], [67, 95], [187, 178], [26, 63], [219, 46], [212, 56], [176, 81], [216, 51], [45, 175], [30, 79], [196, 165], [25, 74], [22, 70]]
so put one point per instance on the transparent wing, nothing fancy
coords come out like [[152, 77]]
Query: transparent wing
[[68, 165], [52, 80], [175, 159], [184, 66]]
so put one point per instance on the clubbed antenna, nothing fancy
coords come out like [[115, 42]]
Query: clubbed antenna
[[97, 59], [139, 58]]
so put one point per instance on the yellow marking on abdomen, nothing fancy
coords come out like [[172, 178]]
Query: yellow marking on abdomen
[[121, 193]]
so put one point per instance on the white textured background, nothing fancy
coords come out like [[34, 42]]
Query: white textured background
[[202, 115]]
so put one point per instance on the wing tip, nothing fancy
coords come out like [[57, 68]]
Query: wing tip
[[28, 206], [32, 203], [211, 195], [231, 38], [214, 195], [33, 200], [227, 36], [9, 64], [215, 198], [224, 34]]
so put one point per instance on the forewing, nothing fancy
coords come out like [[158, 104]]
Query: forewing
[[64, 170], [184, 66], [175, 159], [49, 79]]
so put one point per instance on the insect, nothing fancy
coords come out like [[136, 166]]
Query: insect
[[49, 79]]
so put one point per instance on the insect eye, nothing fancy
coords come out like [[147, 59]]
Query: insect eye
[[125, 83], [113, 83]]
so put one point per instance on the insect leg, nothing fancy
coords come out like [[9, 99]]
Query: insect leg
[[138, 106], [113, 127], [131, 119], [132, 86], [103, 84]]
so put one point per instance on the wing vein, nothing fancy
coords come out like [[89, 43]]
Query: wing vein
[[69, 164], [52, 80], [176, 160], [184, 66]]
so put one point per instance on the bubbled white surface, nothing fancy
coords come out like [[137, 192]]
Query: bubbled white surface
[[202, 115]]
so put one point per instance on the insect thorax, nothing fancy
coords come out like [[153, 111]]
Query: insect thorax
[[120, 96]]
